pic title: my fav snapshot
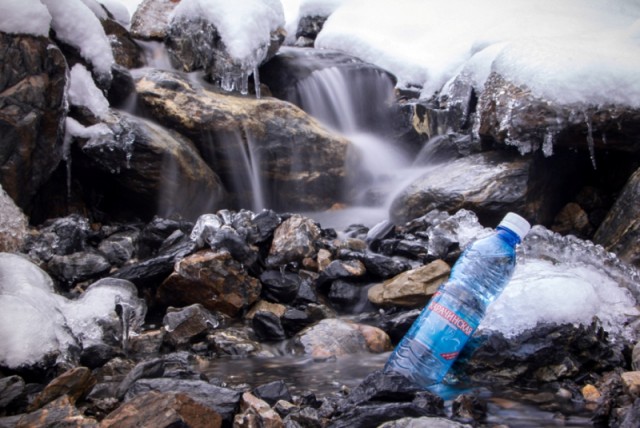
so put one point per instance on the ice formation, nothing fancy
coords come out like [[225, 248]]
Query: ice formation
[[564, 279], [35, 321], [245, 26]]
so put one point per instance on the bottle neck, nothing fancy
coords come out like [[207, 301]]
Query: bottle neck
[[508, 235]]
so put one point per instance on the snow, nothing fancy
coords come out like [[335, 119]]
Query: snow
[[24, 17], [82, 91], [571, 51], [76, 24], [119, 11], [245, 26]]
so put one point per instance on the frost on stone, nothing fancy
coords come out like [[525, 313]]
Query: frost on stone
[[563, 279], [35, 322]]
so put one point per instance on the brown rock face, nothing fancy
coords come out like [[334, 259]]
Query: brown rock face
[[293, 240], [301, 165], [32, 86], [73, 383], [213, 279], [162, 410]]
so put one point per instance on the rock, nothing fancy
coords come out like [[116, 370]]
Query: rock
[[234, 342], [431, 422], [411, 289], [60, 412], [572, 219], [376, 414], [186, 325], [378, 265], [620, 230], [13, 224], [11, 388], [469, 408], [280, 286], [221, 400], [61, 236], [304, 162], [255, 413], [377, 340], [631, 382], [294, 320], [338, 269], [32, 90], [349, 296], [273, 392], [126, 51], [213, 279], [293, 240], [151, 19], [590, 393], [162, 410], [147, 170], [380, 386], [310, 26], [147, 343], [488, 183], [268, 326], [635, 357], [119, 247], [78, 267], [73, 384], [332, 338]]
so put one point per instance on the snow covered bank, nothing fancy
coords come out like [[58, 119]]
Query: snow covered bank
[[573, 51]]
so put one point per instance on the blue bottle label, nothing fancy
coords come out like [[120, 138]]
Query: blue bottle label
[[446, 333]]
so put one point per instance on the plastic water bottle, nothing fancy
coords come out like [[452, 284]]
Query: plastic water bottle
[[444, 326]]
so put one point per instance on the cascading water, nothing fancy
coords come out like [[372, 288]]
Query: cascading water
[[354, 100]]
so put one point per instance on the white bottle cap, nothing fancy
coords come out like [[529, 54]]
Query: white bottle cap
[[517, 224]]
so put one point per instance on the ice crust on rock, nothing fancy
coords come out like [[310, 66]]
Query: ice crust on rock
[[245, 26], [35, 321]]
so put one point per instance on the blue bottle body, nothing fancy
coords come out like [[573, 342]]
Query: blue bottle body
[[444, 326]]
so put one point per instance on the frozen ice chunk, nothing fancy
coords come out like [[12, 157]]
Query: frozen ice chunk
[[565, 280], [35, 321], [31, 322]]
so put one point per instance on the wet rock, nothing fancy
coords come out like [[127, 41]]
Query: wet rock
[[147, 343], [397, 325], [186, 325], [489, 184], [331, 338], [383, 230], [544, 354], [221, 400], [348, 296], [469, 408], [151, 19], [234, 342], [273, 392], [255, 412], [163, 409], [431, 422], [146, 170], [120, 247], [266, 222], [155, 233], [338, 269], [631, 382], [305, 417], [213, 279], [267, 326], [280, 286], [73, 384], [380, 386], [96, 355], [294, 320], [293, 240], [302, 161], [126, 52], [376, 414], [11, 388], [60, 412], [61, 236], [620, 230], [572, 219], [411, 289], [379, 265], [32, 90], [227, 238], [377, 340], [13, 224], [78, 267]]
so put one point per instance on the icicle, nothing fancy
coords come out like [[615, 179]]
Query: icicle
[[66, 156], [590, 142], [256, 81], [547, 145]]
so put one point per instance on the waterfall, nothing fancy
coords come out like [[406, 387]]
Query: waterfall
[[354, 101]]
